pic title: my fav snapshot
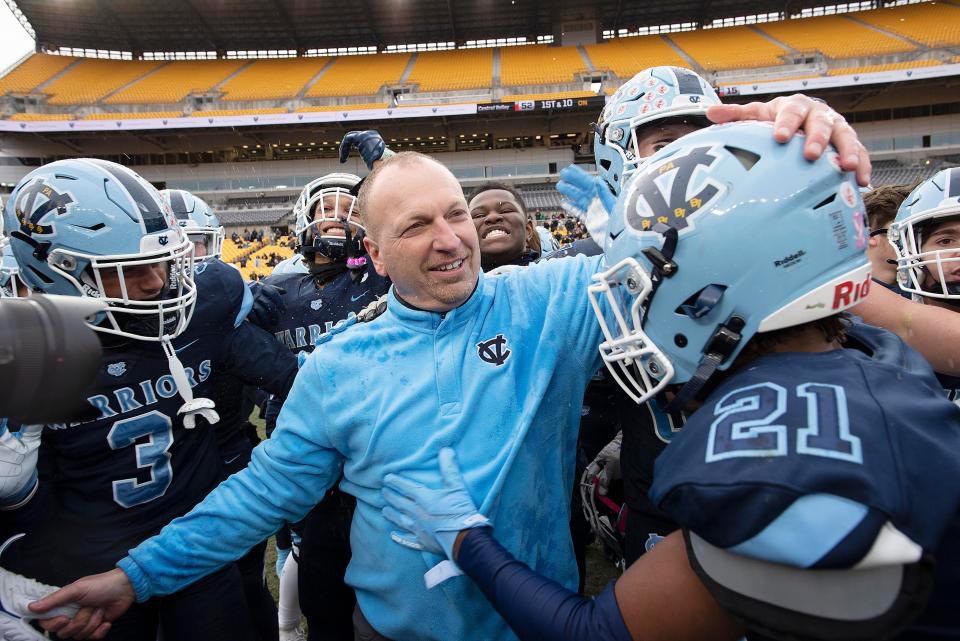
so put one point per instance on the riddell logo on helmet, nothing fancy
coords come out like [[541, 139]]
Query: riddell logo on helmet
[[849, 292]]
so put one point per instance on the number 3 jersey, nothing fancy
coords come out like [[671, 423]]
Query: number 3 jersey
[[801, 459], [109, 483]]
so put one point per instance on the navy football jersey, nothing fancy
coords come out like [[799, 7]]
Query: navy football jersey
[[867, 424], [311, 311], [116, 480]]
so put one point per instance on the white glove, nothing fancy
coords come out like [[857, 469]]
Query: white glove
[[606, 466], [18, 464]]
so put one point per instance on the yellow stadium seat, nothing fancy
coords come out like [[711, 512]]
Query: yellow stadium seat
[[893, 66], [238, 112], [554, 95], [92, 79], [366, 105], [453, 70], [359, 75], [834, 37], [176, 81], [934, 24], [539, 65], [36, 117], [130, 115], [273, 79], [728, 48], [626, 57], [32, 72]]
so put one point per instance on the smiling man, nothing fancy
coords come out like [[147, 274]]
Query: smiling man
[[506, 232]]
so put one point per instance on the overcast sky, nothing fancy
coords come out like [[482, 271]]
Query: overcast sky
[[16, 42]]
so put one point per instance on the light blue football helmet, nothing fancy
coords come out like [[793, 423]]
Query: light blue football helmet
[[929, 269], [76, 225], [197, 218], [723, 234], [654, 94]]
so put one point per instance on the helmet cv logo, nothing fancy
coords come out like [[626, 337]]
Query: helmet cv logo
[[36, 201], [662, 194]]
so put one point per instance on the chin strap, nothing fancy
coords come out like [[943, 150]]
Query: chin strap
[[192, 406], [722, 344]]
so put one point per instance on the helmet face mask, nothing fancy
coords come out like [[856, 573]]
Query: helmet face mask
[[79, 226], [327, 220], [689, 285], [926, 238]]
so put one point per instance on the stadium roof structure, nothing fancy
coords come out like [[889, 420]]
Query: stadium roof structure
[[141, 26]]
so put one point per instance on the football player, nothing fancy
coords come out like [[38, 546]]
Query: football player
[[337, 284], [233, 430], [93, 228], [805, 437], [198, 220], [925, 236]]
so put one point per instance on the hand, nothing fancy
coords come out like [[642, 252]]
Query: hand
[[434, 517], [268, 304], [821, 124], [606, 466], [587, 198], [368, 143], [18, 463], [102, 597]]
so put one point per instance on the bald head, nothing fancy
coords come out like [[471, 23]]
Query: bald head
[[419, 232], [372, 207]]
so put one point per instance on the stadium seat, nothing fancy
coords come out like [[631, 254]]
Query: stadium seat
[[834, 37], [453, 70], [176, 81], [365, 105], [728, 48], [628, 56], [893, 66], [238, 112], [554, 95], [36, 117], [32, 72], [130, 115], [359, 75], [273, 79], [92, 79], [934, 24], [539, 65]]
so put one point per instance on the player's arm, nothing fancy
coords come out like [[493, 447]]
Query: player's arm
[[286, 474], [660, 597], [932, 331], [257, 358]]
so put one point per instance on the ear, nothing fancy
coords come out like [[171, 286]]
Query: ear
[[874, 242], [373, 250]]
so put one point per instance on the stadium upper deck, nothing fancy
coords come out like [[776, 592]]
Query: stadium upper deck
[[54, 87]]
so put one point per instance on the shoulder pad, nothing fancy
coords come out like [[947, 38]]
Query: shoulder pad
[[372, 310]]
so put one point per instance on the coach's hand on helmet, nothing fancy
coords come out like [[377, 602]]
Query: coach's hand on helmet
[[103, 598], [821, 124], [370, 145]]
